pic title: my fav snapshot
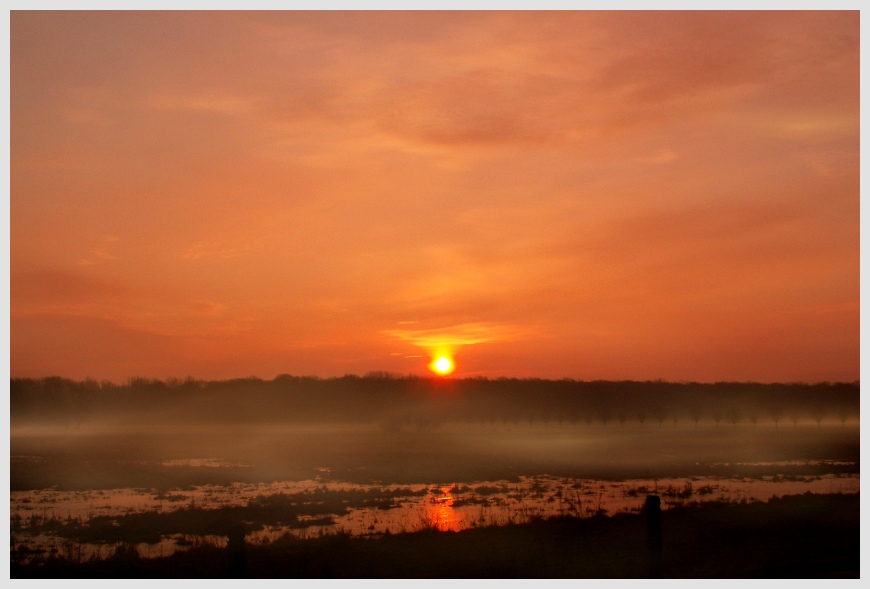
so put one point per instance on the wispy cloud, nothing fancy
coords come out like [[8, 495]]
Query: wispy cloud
[[205, 307], [100, 253], [201, 102], [464, 334], [215, 249], [103, 254]]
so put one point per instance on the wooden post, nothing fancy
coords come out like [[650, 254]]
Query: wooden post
[[653, 510], [238, 568]]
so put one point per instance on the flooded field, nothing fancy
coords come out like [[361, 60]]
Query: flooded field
[[82, 494], [46, 522]]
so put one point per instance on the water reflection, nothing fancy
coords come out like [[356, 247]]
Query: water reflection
[[38, 518], [439, 513]]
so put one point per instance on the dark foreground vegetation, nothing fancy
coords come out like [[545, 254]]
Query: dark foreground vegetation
[[807, 536], [416, 403]]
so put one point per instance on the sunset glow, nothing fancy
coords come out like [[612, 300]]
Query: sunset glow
[[434, 293], [582, 194], [442, 365]]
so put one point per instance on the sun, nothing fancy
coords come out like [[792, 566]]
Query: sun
[[442, 365]]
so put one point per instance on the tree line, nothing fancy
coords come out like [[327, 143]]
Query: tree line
[[395, 402]]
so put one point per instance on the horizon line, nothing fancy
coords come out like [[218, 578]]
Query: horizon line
[[386, 375]]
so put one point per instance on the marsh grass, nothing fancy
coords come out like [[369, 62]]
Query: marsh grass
[[795, 536]]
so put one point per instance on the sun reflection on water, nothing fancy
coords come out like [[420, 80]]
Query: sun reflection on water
[[440, 513], [442, 508]]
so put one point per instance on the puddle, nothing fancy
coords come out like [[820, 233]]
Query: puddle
[[364, 510]]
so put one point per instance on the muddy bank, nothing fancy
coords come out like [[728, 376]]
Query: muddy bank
[[806, 536]]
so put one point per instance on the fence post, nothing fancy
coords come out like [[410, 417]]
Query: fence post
[[236, 548], [653, 510]]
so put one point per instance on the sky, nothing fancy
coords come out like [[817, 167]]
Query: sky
[[590, 195]]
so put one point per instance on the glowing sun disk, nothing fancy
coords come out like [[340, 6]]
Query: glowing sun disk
[[442, 365]]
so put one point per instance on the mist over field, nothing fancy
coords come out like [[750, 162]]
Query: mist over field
[[164, 465], [389, 428], [395, 402]]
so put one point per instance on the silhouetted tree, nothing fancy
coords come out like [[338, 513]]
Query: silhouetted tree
[[370, 398], [818, 415], [734, 416], [753, 416], [695, 412], [776, 414], [659, 414], [843, 414]]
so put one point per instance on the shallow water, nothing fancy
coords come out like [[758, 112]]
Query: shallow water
[[416, 507], [365, 482]]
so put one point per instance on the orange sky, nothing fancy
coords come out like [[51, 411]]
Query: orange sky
[[620, 195]]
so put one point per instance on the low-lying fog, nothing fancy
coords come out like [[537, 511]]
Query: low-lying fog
[[98, 470], [172, 456]]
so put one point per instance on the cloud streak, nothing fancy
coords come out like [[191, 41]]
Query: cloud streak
[[464, 334]]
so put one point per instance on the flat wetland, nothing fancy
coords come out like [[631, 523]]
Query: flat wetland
[[527, 499]]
